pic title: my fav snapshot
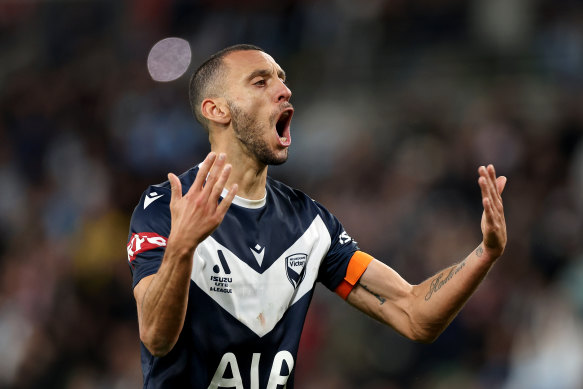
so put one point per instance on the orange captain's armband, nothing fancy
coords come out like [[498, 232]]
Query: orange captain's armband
[[357, 265]]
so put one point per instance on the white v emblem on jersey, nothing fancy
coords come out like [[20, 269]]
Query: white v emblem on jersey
[[259, 300], [258, 253], [150, 198]]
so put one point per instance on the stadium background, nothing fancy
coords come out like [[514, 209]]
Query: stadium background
[[397, 104]]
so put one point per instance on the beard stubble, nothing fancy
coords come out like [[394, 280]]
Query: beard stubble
[[249, 132]]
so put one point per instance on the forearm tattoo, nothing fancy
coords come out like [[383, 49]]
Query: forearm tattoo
[[479, 251], [379, 297], [439, 281]]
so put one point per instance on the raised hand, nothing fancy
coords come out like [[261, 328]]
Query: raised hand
[[198, 213], [493, 222]]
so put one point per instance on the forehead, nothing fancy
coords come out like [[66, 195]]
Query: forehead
[[241, 64]]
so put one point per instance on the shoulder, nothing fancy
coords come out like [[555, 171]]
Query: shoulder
[[153, 208], [162, 190], [285, 193], [280, 189], [296, 197]]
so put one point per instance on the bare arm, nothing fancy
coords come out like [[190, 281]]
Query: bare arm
[[421, 312], [162, 297]]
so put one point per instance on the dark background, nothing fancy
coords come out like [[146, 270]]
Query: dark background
[[397, 104]]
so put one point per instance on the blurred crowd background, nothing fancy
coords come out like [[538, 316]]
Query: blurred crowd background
[[397, 104]]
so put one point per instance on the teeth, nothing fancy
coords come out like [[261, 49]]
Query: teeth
[[283, 138]]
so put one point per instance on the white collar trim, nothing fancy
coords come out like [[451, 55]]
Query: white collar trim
[[246, 203], [243, 202]]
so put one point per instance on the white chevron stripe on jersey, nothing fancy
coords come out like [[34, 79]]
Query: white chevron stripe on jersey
[[257, 300]]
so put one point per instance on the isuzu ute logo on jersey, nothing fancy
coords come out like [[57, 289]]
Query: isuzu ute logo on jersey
[[144, 241], [218, 283], [295, 268]]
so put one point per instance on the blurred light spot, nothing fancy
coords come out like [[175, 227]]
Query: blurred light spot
[[169, 59]]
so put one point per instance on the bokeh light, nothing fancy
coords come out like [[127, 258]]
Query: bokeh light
[[169, 59]]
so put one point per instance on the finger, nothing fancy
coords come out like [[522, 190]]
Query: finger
[[490, 175], [491, 172], [494, 189], [214, 173], [501, 183], [175, 187], [488, 211], [487, 199], [226, 203], [220, 184], [483, 182], [203, 171]]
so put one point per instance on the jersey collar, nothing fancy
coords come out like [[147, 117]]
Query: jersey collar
[[246, 203]]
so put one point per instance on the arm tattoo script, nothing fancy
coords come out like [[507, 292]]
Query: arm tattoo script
[[379, 297], [439, 281]]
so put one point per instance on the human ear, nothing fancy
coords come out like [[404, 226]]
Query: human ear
[[216, 110]]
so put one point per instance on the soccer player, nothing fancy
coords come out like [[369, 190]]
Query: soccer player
[[225, 259]]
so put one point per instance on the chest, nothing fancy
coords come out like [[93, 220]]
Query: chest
[[257, 274]]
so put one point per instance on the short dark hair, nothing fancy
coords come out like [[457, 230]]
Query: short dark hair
[[205, 79]]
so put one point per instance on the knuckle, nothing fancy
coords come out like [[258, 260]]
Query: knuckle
[[217, 190], [199, 202]]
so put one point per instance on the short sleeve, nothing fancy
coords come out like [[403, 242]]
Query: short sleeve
[[149, 230], [342, 248], [356, 268]]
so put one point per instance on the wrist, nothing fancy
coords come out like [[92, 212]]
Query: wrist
[[178, 248], [488, 254]]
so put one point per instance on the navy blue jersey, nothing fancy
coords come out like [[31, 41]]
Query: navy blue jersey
[[251, 283]]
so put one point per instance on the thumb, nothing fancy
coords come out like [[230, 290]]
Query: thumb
[[501, 183], [175, 187]]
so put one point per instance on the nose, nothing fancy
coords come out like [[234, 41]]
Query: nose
[[283, 92]]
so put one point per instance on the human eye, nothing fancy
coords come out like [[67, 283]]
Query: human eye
[[260, 82]]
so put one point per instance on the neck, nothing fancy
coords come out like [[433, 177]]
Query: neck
[[248, 174]]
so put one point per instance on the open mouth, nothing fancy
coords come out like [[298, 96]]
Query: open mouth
[[282, 126]]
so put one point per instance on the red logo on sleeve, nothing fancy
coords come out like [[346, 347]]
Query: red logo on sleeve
[[144, 241]]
